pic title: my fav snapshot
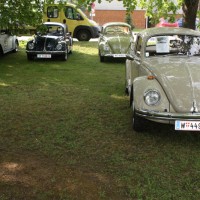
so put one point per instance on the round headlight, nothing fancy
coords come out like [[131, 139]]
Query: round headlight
[[59, 47], [31, 46], [152, 97]]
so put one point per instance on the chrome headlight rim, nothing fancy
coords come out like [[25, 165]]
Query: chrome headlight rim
[[59, 47], [31, 45], [152, 97]]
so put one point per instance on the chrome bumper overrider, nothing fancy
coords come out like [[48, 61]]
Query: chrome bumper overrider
[[153, 115]]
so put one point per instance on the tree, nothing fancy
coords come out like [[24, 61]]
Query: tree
[[190, 8], [18, 13], [155, 9]]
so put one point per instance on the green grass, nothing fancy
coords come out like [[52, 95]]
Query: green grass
[[66, 133]]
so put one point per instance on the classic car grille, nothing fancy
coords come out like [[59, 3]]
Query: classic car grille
[[40, 44], [49, 44]]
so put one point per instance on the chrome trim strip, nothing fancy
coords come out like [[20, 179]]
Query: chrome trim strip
[[45, 52]]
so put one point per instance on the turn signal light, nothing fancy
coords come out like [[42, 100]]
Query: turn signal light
[[151, 77]]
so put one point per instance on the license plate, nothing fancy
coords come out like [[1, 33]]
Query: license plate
[[119, 55], [43, 55], [187, 125]]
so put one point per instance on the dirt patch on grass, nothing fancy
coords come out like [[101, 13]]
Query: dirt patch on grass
[[31, 176]]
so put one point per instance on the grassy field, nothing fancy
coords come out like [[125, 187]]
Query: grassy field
[[66, 134]]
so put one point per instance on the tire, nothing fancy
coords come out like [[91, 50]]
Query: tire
[[83, 35], [139, 123], [102, 58], [16, 47], [128, 81], [65, 56], [131, 95], [1, 51], [126, 90], [30, 57]]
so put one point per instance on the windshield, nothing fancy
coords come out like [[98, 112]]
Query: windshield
[[50, 29], [55, 30], [173, 45], [117, 29]]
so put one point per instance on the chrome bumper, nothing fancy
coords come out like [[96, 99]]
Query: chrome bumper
[[45, 52], [167, 116], [115, 55]]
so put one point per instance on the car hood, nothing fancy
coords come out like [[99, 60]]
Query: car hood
[[44, 37], [118, 44], [180, 79]]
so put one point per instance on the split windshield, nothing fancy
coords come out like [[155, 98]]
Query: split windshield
[[113, 30]]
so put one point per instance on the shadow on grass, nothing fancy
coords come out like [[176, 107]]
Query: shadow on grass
[[167, 133]]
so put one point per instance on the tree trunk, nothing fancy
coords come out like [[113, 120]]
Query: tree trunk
[[190, 8]]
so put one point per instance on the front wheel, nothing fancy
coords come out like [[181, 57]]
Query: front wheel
[[83, 35], [65, 56], [139, 123], [16, 47], [101, 58]]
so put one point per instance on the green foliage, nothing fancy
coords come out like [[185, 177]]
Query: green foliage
[[17, 14], [157, 9]]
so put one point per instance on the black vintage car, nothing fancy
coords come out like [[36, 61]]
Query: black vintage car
[[51, 40]]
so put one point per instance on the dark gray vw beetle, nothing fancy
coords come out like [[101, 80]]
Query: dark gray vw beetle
[[52, 40]]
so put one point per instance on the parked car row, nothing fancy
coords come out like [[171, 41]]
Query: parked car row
[[162, 68]]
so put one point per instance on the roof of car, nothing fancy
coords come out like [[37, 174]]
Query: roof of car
[[116, 23], [168, 30]]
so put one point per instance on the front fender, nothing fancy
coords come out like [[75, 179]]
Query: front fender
[[142, 85], [102, 44]]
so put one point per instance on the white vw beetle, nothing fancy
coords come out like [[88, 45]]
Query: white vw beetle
[[8, 42]]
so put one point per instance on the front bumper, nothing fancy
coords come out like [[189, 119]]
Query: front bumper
[[167, 117], [45, 52], [115, 55]]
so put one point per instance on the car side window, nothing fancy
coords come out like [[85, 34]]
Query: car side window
[[138, 46], [52, 12]]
